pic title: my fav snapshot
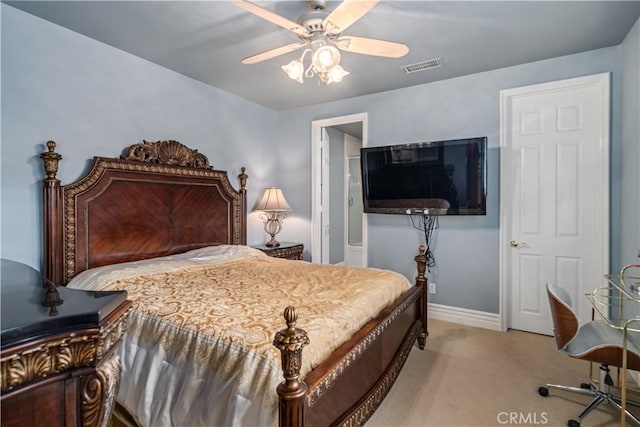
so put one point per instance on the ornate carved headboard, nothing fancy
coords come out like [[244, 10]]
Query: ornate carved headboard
[[157, 199]]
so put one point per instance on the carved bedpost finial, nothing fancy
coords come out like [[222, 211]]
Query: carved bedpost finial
[[291, 317], [290, 342], [243, 179], [421, 260], [50, 159], [421, 280], [52, 215]]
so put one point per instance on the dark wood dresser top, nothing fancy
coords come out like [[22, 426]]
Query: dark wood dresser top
[[57, 355], [24, 317]]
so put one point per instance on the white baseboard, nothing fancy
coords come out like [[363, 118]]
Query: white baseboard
[[464, 316]]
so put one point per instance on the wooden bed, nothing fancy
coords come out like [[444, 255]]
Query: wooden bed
[[162, 198]]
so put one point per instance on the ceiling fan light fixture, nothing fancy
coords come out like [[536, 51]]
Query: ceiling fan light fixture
[[320, 31], [325, 64]]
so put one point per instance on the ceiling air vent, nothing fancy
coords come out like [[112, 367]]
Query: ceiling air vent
[[423, 66]]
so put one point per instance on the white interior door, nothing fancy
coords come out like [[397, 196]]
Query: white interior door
[[319, 181], [554, 195]]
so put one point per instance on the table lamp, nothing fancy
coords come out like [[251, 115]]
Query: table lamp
[[273, 206]]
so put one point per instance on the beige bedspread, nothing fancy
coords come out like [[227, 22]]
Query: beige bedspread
[[223, 316]]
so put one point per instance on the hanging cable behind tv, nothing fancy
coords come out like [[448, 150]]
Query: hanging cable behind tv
[[429, 223]]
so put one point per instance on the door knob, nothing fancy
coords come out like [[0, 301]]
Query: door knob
[[516, 244]]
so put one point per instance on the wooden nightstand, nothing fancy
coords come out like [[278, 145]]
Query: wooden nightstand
[[59, 366], [285, 250]]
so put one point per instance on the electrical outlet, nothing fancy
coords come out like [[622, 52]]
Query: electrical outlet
[[432, 288]]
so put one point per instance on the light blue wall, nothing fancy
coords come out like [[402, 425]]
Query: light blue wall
[[466, 248], [96, 100], [630, 149]]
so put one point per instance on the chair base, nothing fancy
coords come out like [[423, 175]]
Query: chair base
[[600, 395]]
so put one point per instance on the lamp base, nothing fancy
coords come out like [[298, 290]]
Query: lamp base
[[273, 243]]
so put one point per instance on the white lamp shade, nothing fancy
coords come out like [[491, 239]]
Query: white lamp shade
[[273, 200]]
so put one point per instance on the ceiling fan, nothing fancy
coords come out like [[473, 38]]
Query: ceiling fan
[[320, 33]]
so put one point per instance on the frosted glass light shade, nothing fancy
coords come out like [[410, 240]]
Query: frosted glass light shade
[[336, 74], [295, 70], [325, 58]]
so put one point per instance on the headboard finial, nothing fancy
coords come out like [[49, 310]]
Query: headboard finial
[[51, 159], [243, 179]]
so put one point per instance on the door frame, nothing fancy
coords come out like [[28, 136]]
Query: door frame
[[602, 84], [316, 164]]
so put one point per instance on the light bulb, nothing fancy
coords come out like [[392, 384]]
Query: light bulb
[[295, 70]]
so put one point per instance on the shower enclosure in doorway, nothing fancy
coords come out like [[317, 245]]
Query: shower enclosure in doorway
[[338, 222], [353, 219]]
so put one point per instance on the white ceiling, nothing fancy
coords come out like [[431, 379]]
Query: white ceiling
[[206, 40]]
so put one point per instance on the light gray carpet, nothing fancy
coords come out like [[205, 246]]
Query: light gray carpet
[[476, 377]]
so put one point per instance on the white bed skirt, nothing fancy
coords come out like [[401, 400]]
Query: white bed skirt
[[159, 391]]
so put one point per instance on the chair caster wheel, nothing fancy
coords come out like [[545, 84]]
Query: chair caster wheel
[[543, 391], [573, 423]]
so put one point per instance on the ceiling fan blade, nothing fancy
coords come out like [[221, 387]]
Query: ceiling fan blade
[[373, 47], [348, 12], [273, 52], [272, 17]]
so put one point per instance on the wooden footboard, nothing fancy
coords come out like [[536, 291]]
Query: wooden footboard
[[348, 387]]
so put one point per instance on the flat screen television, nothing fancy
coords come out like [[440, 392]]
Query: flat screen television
[[440, 178]]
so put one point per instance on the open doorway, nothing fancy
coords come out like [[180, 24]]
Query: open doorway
[[338, 224]]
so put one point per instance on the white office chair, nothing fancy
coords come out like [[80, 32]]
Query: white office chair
[[594, 341]]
